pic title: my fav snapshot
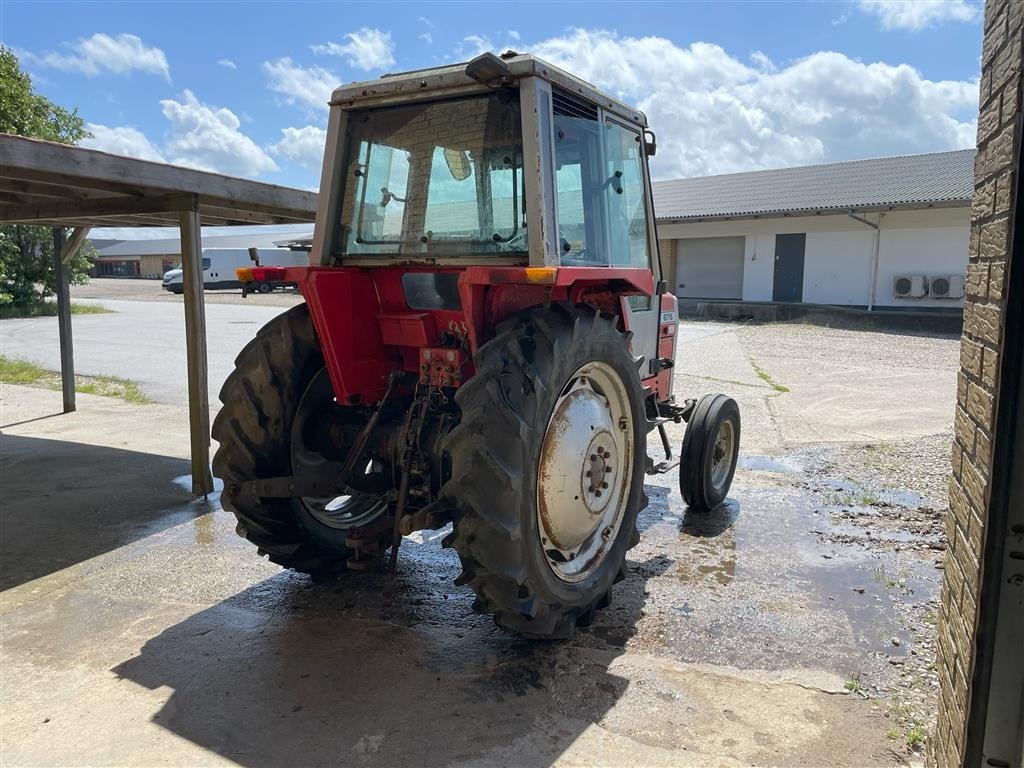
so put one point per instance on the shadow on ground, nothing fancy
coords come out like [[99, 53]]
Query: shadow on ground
[[64, 503], [294, 672]]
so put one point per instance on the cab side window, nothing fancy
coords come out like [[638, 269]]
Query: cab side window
[[599, 176], [581, 234], [627, 205]]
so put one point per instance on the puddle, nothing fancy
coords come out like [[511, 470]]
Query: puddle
[[759, 583], [866, 534], [782, 466], [902, 499]]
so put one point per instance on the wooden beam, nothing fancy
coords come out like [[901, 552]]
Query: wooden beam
[[61, 164], [234, 214], [72, 244], [39, 189], [107, 206], [195, 350], [67, 355]]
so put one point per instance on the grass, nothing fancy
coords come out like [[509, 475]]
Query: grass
[[767, 379], [856, 686], [916, 736], [49, 309], [31, 375], [898, 583], [851, 499]]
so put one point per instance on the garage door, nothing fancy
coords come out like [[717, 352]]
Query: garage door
[[709, 268]]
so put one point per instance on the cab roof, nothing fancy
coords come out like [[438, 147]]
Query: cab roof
[[452, 80]]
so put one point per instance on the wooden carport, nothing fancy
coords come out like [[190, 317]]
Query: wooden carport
[[62, 186]]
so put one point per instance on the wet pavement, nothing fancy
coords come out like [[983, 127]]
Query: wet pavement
[[790, 626]]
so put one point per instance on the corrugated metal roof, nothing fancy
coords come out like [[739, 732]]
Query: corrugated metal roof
[[940, 178], [172, 246]]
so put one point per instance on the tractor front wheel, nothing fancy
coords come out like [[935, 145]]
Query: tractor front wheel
[[547, 469], [710, 449]]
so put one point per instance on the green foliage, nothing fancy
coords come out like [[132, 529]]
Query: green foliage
[[26, 253], [916, 736], [49, 309], [854, 685], [31, 375]]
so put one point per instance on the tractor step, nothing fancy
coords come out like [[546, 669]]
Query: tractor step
[[662, 467]]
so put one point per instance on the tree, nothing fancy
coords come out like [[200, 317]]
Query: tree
[[26, 252]]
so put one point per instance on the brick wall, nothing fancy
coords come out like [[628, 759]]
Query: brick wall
[[991, 233], [667, 248]]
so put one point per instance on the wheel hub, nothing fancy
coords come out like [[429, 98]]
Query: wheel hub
[[598, 466], [584, 471]]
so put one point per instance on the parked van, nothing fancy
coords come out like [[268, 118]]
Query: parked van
[[219, 265]]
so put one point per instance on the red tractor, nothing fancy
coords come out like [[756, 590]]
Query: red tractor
[[485, 341]]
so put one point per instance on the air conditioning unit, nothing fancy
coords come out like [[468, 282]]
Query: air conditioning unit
[[909, 286], [946, 287]]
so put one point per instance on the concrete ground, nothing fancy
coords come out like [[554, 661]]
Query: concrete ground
[[789, 627]]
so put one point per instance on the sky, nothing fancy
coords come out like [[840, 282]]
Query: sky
[[242, 87]]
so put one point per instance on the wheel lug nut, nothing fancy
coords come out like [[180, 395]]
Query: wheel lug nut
[[589, 473], [593, 457], [604, 485], [597, 493]]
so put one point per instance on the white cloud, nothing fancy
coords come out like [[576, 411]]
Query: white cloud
[[426, 37], [207, 137], [304, 146], [473, 45], [715, 114], [121, 140], [763, 62], [102, 53], [428, 22], [227, 63], [918, 14], [311, 86], [366, 49]]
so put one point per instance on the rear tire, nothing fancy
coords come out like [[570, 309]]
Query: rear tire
[[710, 449], [261, 398], [522, 377]]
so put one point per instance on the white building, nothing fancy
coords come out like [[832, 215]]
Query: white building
[[886, 233], [151, 258]]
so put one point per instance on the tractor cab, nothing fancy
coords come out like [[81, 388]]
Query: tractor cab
[[431, 167]]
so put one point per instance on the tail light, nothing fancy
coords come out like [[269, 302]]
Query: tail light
[[267, 274], [244, 274]]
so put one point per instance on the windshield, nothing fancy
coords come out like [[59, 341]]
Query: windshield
[[443, 178]]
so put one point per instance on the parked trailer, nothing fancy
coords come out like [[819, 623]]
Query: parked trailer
[[220, 265]]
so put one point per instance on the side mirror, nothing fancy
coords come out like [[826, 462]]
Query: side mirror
[[650, 143]]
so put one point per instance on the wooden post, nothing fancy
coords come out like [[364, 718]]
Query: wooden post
[[67, 354], [195, 349]]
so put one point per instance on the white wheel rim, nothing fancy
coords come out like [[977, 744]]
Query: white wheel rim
[[585, 471], [722, 453]]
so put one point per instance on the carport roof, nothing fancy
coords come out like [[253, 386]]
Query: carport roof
[[47, 183], [940, 179]]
